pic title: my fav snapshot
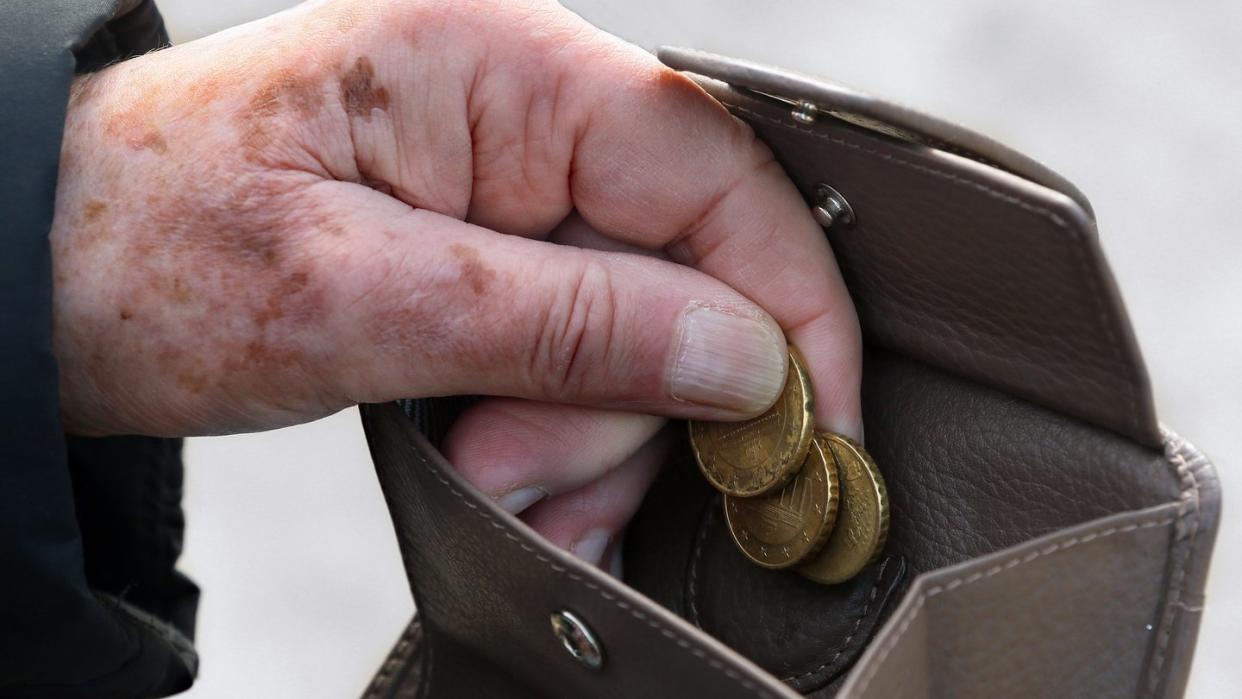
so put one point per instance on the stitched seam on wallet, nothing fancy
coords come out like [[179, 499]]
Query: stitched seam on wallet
[[1188, 529], [963, 581], [398, 657], [875, 590], [651, 622], [1095, 291]]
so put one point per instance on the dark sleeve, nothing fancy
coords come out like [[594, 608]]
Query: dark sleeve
[[58, 636]]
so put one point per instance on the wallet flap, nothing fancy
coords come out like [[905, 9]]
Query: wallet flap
[[976, 268], [817, 96]]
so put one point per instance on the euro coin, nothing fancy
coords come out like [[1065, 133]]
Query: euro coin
[[760, 455], [780, 529], [862, 522]]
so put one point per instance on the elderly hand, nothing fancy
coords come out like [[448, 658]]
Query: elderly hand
[[357, 202]]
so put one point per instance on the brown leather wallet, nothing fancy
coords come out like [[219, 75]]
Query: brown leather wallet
[[1048, 537]]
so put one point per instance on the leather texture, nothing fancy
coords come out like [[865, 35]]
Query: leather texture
[[679, 553], [1057, 604], [1148, 581], [970, 268], [808, 635], [975, 471], [971, 470], [1191, 552], [1055, 549], [486, 585], [401, 675], [860, 108]]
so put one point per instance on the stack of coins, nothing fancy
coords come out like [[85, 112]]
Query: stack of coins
[[795, 498]]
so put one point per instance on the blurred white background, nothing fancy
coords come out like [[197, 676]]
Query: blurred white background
[[1139, 103]]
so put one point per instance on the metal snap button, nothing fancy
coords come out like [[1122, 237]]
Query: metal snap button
[[578, 639], [805, 111], [831, 208]]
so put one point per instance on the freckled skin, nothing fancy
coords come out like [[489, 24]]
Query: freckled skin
[[288, 90], [285, 92], [223, 266], [94, 209], [134, 123], [225, 278], [274, 309], [476, 275], [218, 236], [248, 225], [359, 92], [194, 383], [180, 291], [152, 140]]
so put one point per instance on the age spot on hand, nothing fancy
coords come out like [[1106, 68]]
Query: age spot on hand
[[476, 274], [135, 125], [93, 210], [180, 290], [193, 382], [260, 354], [274, 307], [151, 140], [283, 91], [256, 246], [359, 93]]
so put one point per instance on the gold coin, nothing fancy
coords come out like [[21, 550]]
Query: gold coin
[[758, 456], [780, 529], [862, 523]]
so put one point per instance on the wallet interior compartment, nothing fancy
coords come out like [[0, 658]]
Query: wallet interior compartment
[[970, 471]]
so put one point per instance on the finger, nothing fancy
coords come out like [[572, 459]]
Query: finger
[[421, 304], [578, 233], [588, 522], [744, 223], [520, 451], [649, 159]]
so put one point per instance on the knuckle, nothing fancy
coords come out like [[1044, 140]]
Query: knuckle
[[576, 338]]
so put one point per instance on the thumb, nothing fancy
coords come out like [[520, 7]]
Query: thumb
[[428, 305]]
